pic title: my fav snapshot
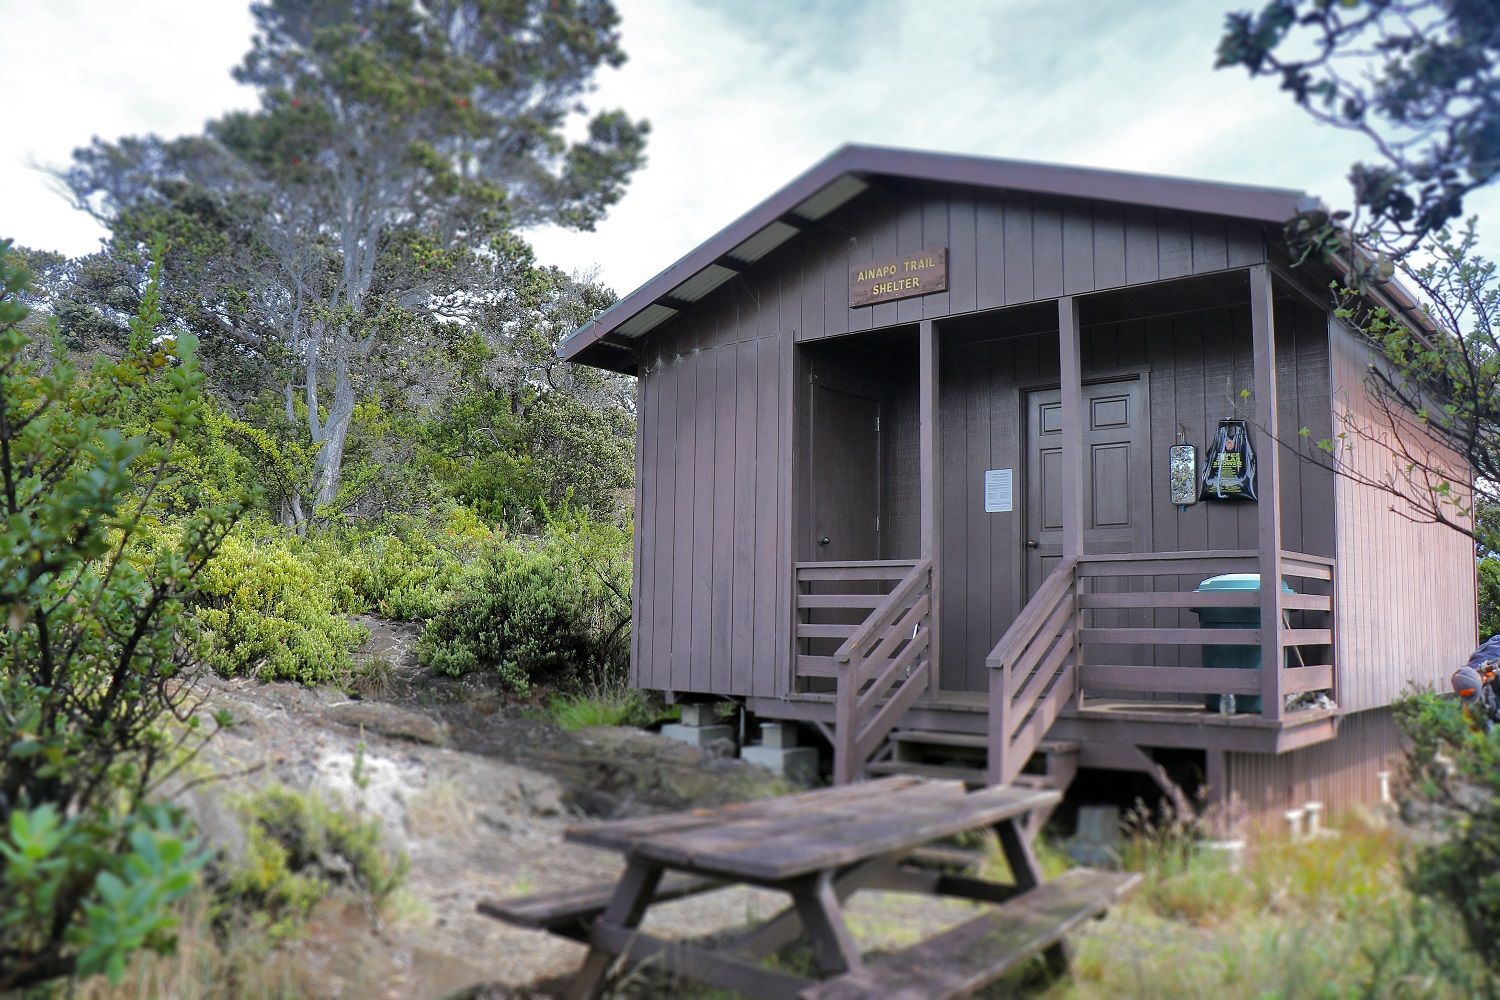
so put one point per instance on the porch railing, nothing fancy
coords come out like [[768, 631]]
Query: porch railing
[[1033, 673], [1059, 651], [1127, 586], [884, 663]]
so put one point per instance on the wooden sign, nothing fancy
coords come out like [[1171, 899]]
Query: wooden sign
[[920, 273]]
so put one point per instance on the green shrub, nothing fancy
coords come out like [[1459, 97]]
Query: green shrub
[[1453, 776], [267, 610], [524, 617], [91, 669], [407, 567], [299, 848]]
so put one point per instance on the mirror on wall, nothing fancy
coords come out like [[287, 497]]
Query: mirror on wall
[[1184, 472]]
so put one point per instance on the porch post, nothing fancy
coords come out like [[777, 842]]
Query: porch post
[[1268, 509], [927, 471], [1070, 375]]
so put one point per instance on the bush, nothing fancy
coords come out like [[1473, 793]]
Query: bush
[[91, 675], [553, 609], [524, 618], [1453, 778], [407, 568], [267, 610], [299, 848]]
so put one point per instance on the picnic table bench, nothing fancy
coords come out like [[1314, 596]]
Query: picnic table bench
[[819, 848]]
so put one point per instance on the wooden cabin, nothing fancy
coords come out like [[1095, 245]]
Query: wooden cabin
[[904, 476]]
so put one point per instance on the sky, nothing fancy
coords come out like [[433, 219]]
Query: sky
[[742, 96]]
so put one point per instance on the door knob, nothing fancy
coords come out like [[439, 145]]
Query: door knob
[[1031, 543], [824, 540]]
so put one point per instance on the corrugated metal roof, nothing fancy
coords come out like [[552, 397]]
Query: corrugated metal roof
[[845, 174]]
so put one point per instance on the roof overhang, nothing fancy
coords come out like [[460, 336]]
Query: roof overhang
[[845, 175]]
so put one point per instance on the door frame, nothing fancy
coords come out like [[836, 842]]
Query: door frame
[[1137, 373], [862, 389]]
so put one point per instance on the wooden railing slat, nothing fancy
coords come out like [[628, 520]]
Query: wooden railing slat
[[899, 599], [1206, 566], [883, 721], [1037, 610], [1318, 677], [816, 666], [1172, 599], [1175, 636], [1022, 668], [867, 602], [1034, 728], [1061, 648], [892, 671], [1169, 680], [904, 630], [1307, 637]]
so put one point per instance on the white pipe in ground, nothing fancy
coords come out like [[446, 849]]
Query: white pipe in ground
[[1314, 812], [1294, 822]]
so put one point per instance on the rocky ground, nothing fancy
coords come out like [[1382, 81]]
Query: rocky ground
[[476, 790]]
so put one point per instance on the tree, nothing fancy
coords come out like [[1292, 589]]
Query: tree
[[96, 701], [1417, 78], [373, 193], [1435, 394]]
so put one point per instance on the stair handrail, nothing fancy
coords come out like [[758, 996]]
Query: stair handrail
[[885, 613], [1054, 604], [863, 719]]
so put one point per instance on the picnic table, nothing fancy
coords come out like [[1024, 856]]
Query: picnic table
[[819, 848]]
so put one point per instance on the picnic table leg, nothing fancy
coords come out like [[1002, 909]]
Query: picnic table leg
[[784, 927], [818, 904], [626, 908], [1016, 846]]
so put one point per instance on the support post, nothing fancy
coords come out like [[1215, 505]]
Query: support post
[[1070, 385], [1070, 374], [1268, 487], [927, 424]]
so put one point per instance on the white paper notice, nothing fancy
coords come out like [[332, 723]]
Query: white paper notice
[[997, 499]]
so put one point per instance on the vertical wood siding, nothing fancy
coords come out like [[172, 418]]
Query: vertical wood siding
[[712, 586], [1341, 774], [1406, 602], [1003, 249], [1196, 365]]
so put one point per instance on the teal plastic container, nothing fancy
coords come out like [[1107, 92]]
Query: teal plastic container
[[1232, 657]]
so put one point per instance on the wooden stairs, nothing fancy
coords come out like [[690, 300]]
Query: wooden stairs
[[964, 756]]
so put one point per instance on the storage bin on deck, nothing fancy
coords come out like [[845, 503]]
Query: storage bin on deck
[[1232, 657]]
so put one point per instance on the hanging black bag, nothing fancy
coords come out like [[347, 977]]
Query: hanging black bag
[[1230, 471]]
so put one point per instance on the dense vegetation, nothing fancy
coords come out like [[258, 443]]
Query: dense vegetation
[[311, 374]]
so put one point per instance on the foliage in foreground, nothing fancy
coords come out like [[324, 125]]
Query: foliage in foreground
[[1453, 782], [96, 707], [1324, 917], [1415, 77]]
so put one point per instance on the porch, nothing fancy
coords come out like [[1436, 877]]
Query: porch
[[1100, 639]]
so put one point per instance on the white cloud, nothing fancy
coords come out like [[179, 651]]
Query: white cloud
[[84, 68], [742, 97]]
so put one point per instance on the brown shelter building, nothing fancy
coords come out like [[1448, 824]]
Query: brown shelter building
[[904, 474]]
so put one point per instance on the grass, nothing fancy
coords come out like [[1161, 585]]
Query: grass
[[245, 964], [602, 707], [1324, 918]]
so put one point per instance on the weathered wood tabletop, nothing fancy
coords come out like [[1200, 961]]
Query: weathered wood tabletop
[[819, 847]]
